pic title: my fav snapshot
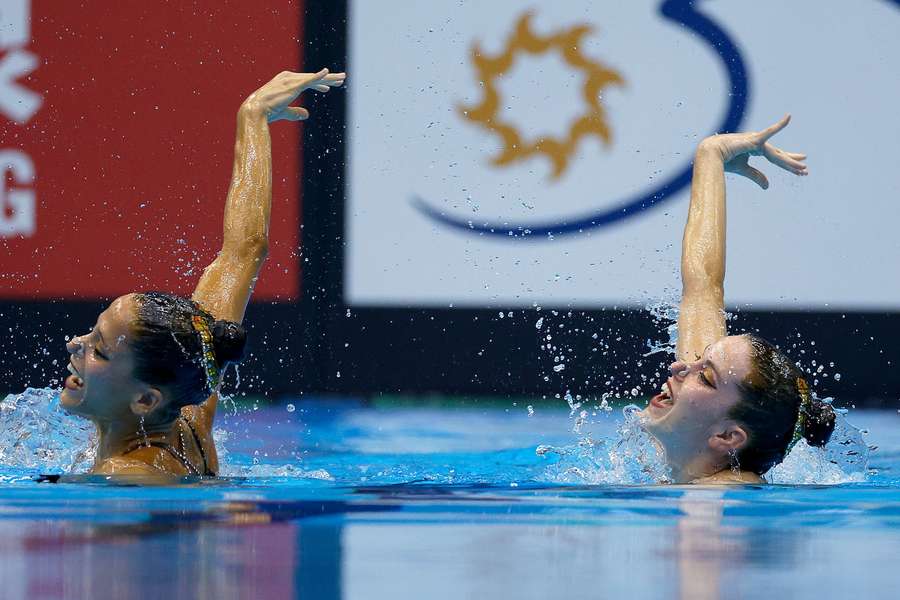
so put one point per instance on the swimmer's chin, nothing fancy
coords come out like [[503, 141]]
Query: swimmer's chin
[[71, 401], [645, 418], [72, 395]]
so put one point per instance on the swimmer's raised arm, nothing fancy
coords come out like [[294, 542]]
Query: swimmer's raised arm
[[226, 284], [701, 320]]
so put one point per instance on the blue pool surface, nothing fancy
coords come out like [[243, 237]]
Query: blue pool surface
[[336, 500]]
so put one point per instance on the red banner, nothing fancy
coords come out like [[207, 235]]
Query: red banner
[[117, 128]]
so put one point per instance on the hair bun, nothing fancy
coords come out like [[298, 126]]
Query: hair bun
[[229, 340], [819, 422]]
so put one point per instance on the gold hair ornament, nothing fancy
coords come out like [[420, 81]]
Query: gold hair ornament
[[209, 357], [803, 390]]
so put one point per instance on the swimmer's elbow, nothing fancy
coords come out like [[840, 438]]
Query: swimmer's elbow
[[697, 278], [258, 247], [710, 289], [251, 248]]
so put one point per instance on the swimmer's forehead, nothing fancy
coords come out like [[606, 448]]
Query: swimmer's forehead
[[113, 324], [729, 357]]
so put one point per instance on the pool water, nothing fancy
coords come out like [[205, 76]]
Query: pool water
[[338, 500]]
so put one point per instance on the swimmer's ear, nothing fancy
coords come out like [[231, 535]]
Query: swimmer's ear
[[727, 438], [148, 401]]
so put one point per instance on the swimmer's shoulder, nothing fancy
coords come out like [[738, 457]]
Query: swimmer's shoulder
[[729, 477], [133, 472], [143, 462]]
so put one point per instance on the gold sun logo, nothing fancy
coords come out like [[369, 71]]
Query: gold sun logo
[[591, 122]]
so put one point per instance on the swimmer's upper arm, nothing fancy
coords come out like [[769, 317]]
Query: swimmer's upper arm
[[701, 319]]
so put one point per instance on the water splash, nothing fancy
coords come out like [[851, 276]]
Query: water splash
[[844, 459], [37, 435], [630, 456], [285, 471], [664, 313]]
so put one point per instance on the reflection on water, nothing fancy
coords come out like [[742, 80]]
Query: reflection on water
[[443, 541], [232, 550]]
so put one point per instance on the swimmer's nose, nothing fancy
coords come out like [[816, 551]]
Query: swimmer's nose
[[75, 346], [679, 369]]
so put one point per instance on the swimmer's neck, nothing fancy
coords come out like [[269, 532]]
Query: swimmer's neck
[[118, 438], [691, 465], [704, 468]]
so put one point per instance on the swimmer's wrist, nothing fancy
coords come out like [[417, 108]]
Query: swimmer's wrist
[[710, 148], [252, 109]]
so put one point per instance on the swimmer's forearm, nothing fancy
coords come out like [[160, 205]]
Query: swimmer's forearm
[[703, 245], [249, 205]]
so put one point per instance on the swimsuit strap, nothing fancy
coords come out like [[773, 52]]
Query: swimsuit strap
[[206, 470], [179, 456]]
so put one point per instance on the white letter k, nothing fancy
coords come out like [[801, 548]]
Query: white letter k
[[18, 102]]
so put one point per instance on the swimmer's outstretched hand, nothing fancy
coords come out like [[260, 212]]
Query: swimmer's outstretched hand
[[273, 98], [736, 148]]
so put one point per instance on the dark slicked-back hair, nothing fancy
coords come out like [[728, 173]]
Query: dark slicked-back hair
[[168, 350], [772, 398]]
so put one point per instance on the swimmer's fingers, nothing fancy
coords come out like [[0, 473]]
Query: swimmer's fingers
[[295, 113], [321, 81], [789, 161], [325, 85], [335, 79], [771, 130], [740, 166], [311, 78], [755, 175], [289, 113]]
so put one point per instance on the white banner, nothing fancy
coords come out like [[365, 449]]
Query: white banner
[[515, 153]]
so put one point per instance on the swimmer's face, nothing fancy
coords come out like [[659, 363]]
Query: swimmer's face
[[102, 386], [691, 418]]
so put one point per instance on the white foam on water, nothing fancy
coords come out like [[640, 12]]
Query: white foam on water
[[629, 457], [36, 434]]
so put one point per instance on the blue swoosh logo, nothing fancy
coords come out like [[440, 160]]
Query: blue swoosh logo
[[679, 11]]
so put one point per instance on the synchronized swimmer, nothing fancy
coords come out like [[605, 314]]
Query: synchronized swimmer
[[149, 371], [734, 405]]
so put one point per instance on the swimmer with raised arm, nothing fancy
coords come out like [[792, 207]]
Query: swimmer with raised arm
[[734, 405], [148, 373]]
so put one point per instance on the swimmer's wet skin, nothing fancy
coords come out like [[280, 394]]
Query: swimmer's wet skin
[[733, 405], [148, 373]]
